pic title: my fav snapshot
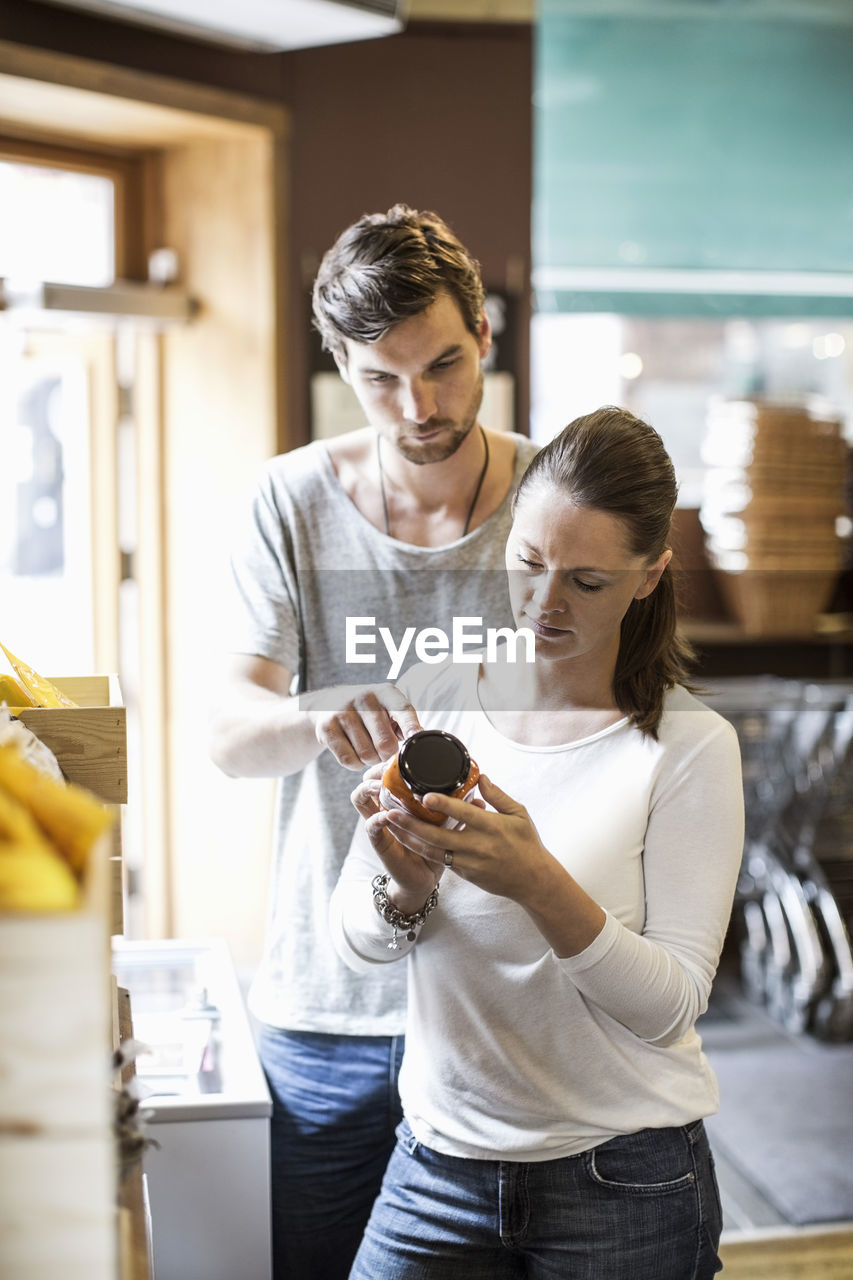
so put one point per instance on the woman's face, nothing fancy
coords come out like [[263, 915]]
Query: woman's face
[[572, 575]]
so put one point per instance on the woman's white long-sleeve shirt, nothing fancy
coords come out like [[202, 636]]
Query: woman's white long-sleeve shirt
[[511, 1052]]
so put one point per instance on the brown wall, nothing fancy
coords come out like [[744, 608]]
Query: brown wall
[[439, 117]]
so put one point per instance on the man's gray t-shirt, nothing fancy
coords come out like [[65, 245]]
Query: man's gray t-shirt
[[308, 562]]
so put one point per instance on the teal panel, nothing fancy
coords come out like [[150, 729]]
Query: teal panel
[[709, 306], [711, 142]]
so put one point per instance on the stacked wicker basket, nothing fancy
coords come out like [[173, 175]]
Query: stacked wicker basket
[[774, 491]]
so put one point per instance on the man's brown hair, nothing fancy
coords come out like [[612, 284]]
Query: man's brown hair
[[387, 267]]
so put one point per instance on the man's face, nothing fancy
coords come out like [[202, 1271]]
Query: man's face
[[421, 385]]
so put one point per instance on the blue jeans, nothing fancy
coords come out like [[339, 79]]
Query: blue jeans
[[335, 1112], [641, 1207]]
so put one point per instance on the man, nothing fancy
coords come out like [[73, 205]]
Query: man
[[353, 544]]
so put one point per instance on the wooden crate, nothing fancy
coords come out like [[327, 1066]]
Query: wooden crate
[[57, 1153], [90, 740], [780, 601], [90, 743]]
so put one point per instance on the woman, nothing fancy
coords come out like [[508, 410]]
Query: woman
[[553, 1084]]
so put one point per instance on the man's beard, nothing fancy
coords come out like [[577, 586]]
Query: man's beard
[[440, 450]]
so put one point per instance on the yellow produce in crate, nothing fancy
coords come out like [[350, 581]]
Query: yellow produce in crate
[[33, 876], [13, 694], [42, 692], [71, 818]]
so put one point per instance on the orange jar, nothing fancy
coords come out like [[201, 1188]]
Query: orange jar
[[429, 760]]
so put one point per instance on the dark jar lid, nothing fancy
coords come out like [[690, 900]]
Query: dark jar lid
[[433, 760]]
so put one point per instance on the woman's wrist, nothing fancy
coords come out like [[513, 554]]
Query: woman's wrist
[[407, 921], [567, 917], [407, 901]]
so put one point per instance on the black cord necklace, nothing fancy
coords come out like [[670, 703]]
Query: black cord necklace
[[473, 500]]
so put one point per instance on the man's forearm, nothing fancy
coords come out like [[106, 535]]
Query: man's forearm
[[261, 734], [259, 731]]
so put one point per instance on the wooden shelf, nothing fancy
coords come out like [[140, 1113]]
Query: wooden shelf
[[724, 649], [713, 632], [819, 1253]]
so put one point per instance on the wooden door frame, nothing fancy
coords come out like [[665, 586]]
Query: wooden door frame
[[224, 118], [91, 77]]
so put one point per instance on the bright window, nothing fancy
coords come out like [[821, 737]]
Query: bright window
[[56, 224], [670, 371], [45, 498]]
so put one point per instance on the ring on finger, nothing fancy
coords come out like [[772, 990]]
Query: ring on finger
[[448, 858]]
